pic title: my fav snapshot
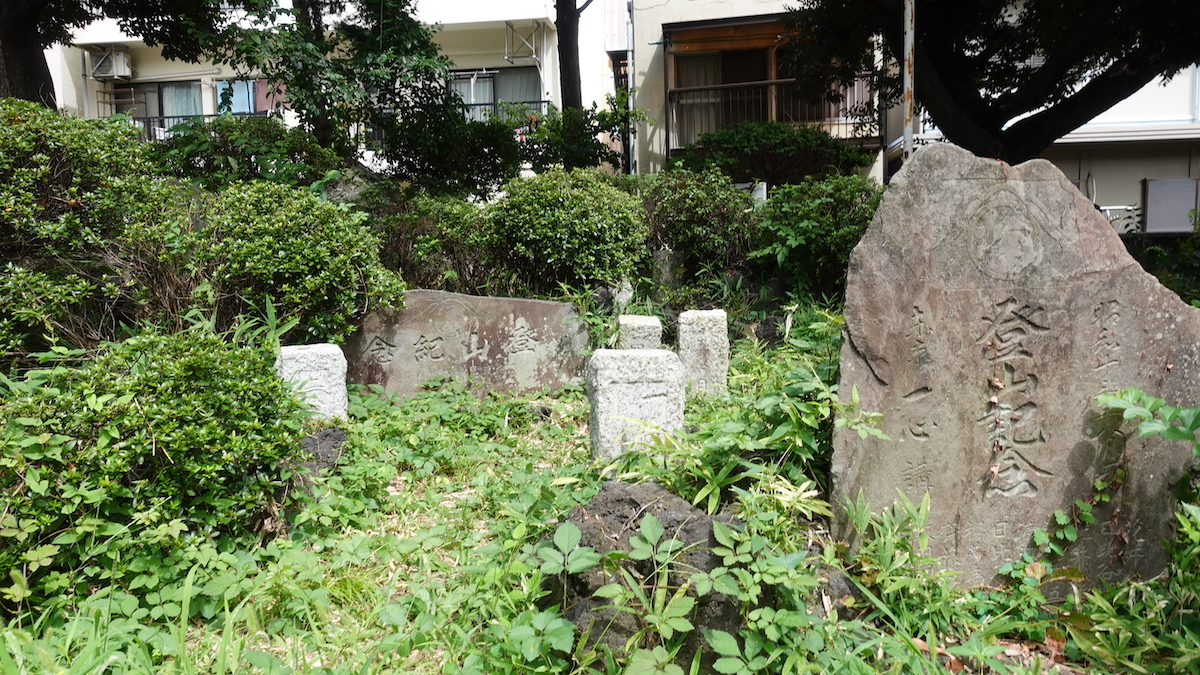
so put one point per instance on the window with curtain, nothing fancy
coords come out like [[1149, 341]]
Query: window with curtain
[[697, 112], [161, 99], [241, 94], [481, 90], [476, 90]]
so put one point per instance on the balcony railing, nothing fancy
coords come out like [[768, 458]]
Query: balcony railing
[[699, 110], [159, 128], [483, 111]]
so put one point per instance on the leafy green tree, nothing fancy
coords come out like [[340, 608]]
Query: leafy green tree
[[344, 65], [1001, 78], [29, 26]]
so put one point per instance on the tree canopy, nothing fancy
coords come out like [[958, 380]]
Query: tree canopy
[[29, 26], [347, 65], [1002, 78]]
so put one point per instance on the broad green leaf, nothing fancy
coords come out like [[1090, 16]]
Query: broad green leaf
[[652, 529], [567, 537], [728, 665], [33, 478], [609, 591], [723, 643]]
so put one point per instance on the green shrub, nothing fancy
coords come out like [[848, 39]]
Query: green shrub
[[773, 152], [219, 151], [808, 230], [571, 138], [701, 215], [68, 190], [65, 182], [112, 470], [432, 241], [436, 147], [568, 227], [315, 260]]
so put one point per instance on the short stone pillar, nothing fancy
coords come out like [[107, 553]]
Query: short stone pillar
[[319, 374], [628, 389], [638, 332], [704, 349]]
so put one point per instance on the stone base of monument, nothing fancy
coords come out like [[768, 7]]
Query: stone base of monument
[[634, 394], [639, 332], [319, 372], [986, 306], [704, 349]]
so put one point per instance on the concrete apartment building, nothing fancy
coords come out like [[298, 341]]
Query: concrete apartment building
[[694, 66]]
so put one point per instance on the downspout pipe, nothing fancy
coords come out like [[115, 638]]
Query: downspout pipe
[[910, 61]]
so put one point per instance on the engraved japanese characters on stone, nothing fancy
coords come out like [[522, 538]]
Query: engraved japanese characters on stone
[[1013, 427], [428, 348], [917, 335], [987, 306], [379, 351], [1010, 323], [503, 344], [522, 339], [1106, 319]]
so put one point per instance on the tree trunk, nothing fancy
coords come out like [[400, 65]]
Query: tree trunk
[[567, 24], [23, 69], [311, 20]]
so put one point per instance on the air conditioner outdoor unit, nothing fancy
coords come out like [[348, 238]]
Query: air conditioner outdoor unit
[[111, 65], [1169, 203]]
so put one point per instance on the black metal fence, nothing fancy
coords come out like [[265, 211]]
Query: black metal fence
[[159, 128], [699, 110]]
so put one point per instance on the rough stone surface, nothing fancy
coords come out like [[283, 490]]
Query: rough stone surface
[[704, 349], [323, 449], [987, 306], [607, 522], [639, 332], [497, 344], [627, 387], [319, 371], [623, 294]]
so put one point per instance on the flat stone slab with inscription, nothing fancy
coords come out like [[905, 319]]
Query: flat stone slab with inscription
[[987, 306], [501, 344]]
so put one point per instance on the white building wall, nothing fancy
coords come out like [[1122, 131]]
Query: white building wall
[[472, 34], [1153, 134]]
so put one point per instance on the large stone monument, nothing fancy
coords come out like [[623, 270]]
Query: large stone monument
[[987, 306], [633, 393], [501, 344]]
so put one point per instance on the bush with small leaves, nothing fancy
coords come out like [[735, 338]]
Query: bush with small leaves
[[701, 215], [65, 182], [112, 469], [316, 261], [568, 227], [432, 241], [808, 230], [223, 150], [774, 152]]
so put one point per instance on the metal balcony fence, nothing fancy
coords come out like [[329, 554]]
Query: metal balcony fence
[[699, 110], [159, 128], [482, 111]]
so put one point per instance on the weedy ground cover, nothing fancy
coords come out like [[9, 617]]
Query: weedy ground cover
[[425, 551]]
